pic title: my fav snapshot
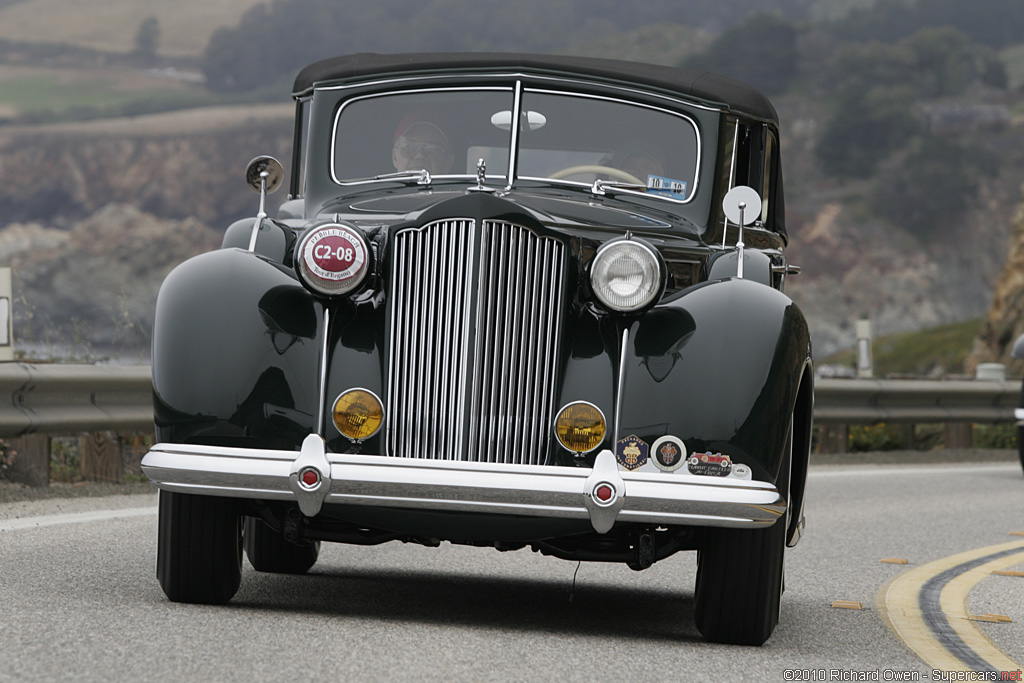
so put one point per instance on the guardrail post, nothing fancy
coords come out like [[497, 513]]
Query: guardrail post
[[959, 435], [31, 465], [833, 438], [101, 457]]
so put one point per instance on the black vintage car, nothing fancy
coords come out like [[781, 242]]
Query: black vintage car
[[512, 301]]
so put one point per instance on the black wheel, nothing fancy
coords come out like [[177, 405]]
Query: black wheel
[[739, 584], [199, 548], [1020, 445], [740, 576], [268, 551]]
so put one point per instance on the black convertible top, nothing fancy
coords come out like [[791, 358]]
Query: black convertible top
[[705, 85]]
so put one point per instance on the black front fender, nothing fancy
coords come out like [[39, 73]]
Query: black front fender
[[718, 367], [235, 353]]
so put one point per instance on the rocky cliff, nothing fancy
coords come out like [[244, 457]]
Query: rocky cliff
[[1005, 319], [95, 215]]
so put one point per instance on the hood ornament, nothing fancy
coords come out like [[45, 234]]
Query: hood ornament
[[481, 178]]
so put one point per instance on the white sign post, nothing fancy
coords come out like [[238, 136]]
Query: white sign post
[[6, 316]]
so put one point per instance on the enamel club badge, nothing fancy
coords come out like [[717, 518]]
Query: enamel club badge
[[631, 452], [668, 453], [709, 464]]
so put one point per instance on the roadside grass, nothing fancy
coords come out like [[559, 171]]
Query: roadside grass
[[934, 351], [55, 92]]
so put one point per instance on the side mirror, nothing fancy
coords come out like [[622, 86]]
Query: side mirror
[[263, 175], [254, 174], [742, 205]]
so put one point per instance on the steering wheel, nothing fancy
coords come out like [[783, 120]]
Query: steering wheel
[[616, 173]]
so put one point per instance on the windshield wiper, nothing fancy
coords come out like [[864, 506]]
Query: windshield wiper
[[421, 176], [601, 186]]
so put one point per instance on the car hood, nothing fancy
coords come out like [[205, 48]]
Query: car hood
[[560, 212]]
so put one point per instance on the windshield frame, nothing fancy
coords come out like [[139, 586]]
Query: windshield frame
[[606, 98], [510, 89], [509, 175]]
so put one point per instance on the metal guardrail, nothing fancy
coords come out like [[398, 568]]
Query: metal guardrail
[[58, 398], [867, 401]]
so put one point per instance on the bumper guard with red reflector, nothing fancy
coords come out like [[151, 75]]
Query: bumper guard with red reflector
[[604, 494]]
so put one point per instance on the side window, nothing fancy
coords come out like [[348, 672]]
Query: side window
[[299, 146], [750, 148]]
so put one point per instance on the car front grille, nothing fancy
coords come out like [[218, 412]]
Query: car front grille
[[475, 318]]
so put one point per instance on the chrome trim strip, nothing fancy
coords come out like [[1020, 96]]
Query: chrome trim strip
[[482, 488], [513, 157], [620, 389], [732, 174], [321, 426]]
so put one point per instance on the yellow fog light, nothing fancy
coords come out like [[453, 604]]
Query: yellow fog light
[[358, 414], [580, 427]]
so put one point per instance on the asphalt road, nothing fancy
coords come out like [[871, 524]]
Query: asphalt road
[[79, 598]]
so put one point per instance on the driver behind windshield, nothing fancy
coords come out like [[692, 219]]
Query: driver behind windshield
[[421, 145], [638, 159]]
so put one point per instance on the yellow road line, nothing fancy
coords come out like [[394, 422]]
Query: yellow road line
[[899, 603]]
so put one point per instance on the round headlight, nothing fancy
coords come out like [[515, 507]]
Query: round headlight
[[625, 275], [580, 427], [332, 258], [358, 414]]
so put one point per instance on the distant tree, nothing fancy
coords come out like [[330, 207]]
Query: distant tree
[[147, 39], [761, 51], [873, 87], [990, 22], [942, 59], [864, 129], [933, 186], [263, 48]]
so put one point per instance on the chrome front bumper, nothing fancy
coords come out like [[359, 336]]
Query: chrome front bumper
[[604, 495]]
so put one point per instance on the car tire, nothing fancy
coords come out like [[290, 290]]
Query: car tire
[[739, 584], [741, 575], [1020, 445], [268, 551], [199, 548]]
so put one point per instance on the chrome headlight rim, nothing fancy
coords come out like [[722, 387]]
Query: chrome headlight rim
[[340, 272], [654, 279]]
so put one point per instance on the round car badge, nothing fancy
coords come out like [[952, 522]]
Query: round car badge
[[334, 253], [668, 453]]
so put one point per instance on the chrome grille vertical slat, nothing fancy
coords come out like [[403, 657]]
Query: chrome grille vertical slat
[[473, 347]]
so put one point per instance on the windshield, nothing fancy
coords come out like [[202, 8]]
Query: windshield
[[562, 137], [443, 131]]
